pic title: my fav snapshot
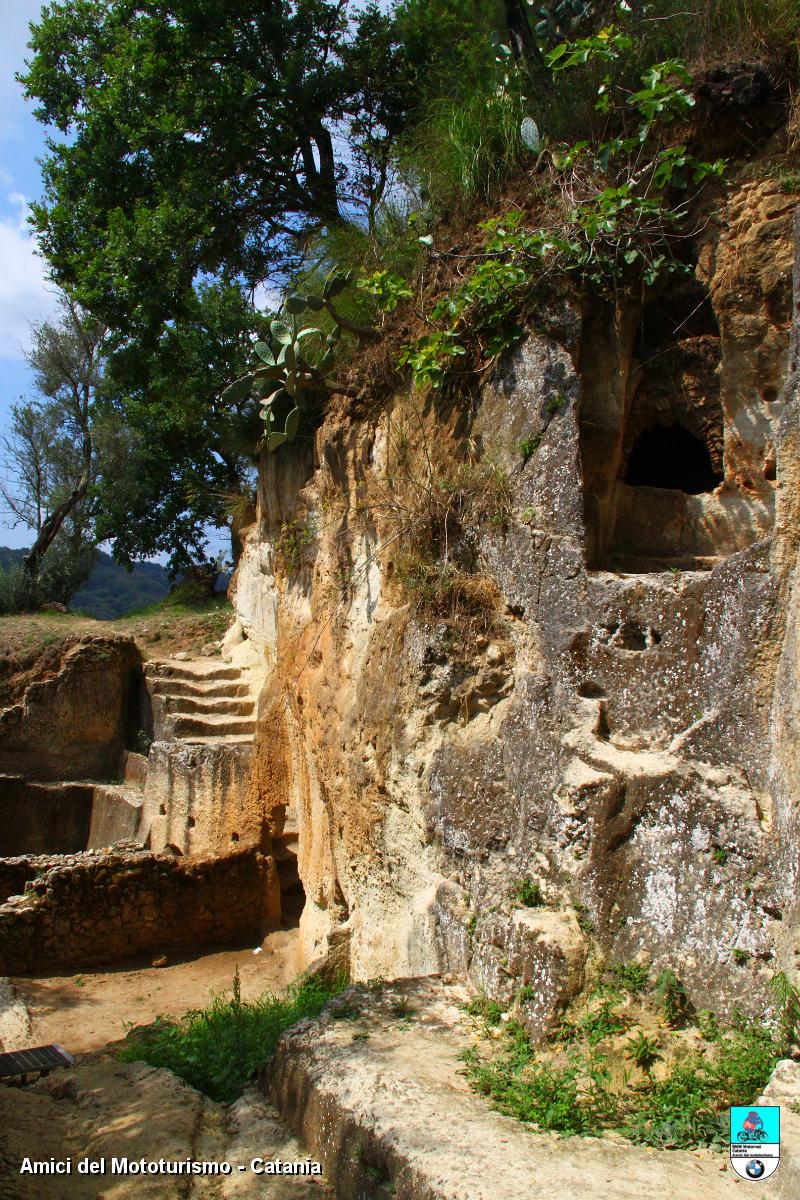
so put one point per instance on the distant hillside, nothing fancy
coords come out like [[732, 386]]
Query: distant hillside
[[110, 590]]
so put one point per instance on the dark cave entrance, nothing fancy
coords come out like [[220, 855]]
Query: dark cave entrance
[[284, 850], [652, 433], [670, 456]]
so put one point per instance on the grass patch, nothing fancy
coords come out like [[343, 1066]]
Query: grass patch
[[219, 1049], [466, 147]]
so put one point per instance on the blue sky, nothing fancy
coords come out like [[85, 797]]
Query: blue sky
[[25, 295]]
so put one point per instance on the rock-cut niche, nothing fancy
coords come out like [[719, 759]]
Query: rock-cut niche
[[652, 438]]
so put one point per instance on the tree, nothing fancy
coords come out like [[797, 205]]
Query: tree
[[200, 139], [51, 452], [212, 136], [190, 459]]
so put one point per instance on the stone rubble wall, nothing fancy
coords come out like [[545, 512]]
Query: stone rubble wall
[[94, 908]]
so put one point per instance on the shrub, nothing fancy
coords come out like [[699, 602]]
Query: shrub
[[631, 976], [219, 1049]]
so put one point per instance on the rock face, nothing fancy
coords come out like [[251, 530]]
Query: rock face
[[608, 707], [72, 724]]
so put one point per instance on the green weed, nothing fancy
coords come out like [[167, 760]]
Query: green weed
[[642, 1050], [670, 994], [631, 976], [489, 1011], [219, 1049], [528, 892]]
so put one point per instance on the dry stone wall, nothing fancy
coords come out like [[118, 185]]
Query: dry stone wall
[[95, 908]]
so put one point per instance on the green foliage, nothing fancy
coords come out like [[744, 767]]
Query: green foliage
[[719, 856], [708, 1024], [465, 147], [600, 1023], [787, 999], [188, 455], [219, 1049], [643, 1051], [430, 357], [573, 1091], [110, 591], [671, 996], [287, 381], [678, 1111], [547, 1095], [631, 976], [292, 542], [528, 892], [63, 570], [489, 1011], [386, 288], [529, 445]]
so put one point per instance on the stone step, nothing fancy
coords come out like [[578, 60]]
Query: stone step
[[241, 706], [226, 688], [190, 724], [199, 669], [233, 739]]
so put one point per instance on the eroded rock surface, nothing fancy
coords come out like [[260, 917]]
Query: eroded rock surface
[[390, 1113], [106, 1109], [621, 728]]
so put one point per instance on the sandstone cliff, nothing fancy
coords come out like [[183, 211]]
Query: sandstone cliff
[[593, 691]]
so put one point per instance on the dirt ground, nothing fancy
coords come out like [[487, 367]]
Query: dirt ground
[[162, 630], [87, 1011]]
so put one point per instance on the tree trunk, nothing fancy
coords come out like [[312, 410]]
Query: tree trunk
[[520, 33], [53, 522]]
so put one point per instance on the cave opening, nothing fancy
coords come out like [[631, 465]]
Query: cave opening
[[670, 456], [683, 310]]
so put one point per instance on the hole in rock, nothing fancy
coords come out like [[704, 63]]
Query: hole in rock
[[162, 808], [669, 456], [769, 394], [192, 822], [683, 310], [234, 837], [631, 636], [654, 439], [589, 690], [171, 848]]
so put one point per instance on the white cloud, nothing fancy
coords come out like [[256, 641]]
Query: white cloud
[[25, 293]]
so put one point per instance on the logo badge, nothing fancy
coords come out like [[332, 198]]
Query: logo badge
[[756, 1141]]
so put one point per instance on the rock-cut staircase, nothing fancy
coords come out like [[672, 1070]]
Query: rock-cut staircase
[[201, 702]]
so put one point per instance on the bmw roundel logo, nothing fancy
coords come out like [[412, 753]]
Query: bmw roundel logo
[[755, 1169]]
